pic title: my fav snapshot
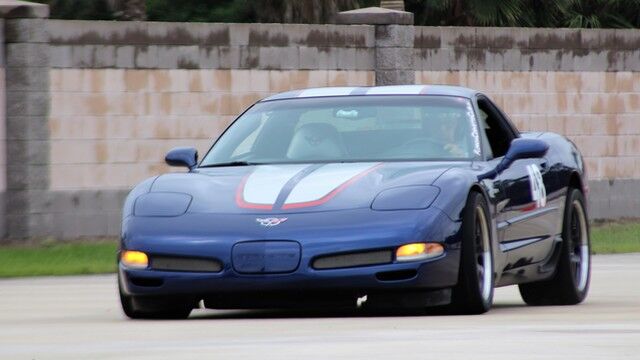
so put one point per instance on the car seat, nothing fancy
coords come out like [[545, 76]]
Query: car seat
[[316, 141]]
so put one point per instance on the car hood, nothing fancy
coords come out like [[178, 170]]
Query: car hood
[[294, 188]]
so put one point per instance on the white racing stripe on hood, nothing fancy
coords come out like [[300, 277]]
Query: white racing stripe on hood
[[324, 180], [265, 184]]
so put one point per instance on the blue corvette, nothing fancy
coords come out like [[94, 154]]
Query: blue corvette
[[392, 197]]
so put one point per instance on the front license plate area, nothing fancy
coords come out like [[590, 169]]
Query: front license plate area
[[265, 257]]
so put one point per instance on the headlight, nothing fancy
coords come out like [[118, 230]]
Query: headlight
[[161, 204], [412, 197]]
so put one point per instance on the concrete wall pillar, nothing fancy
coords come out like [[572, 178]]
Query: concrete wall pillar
[[394, 54], [395, 33], [27, 107]]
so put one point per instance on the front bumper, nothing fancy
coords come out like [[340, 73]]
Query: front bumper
[[434, 273], [387, 231]]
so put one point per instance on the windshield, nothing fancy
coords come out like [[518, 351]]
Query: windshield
[[350, 129]]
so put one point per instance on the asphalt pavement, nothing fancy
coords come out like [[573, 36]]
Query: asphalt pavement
[[80, 318]]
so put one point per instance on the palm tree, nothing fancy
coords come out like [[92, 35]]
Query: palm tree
[[469, 12], [527, 13], [602, 13]]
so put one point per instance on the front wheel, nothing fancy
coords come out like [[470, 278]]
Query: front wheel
[[474, 292], [570, 283], [137, 307]]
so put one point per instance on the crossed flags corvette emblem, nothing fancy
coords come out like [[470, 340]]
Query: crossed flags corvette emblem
[[268, 222]]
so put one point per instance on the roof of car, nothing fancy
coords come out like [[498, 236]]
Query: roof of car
[[376, 90]]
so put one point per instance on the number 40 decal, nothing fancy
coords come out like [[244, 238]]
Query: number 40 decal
[[538, 191]]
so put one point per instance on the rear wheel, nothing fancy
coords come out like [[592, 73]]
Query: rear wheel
[[570, 283], [474, 292], [143, 307]]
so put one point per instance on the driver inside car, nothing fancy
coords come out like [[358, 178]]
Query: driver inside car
[[445, 128]]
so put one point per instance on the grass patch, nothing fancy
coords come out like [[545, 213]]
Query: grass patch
[[80, 258], [615, 238]]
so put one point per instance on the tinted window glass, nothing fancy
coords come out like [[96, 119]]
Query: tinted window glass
[[354, 128]]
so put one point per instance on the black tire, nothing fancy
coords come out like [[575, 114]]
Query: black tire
[[474, 292], [138, 307], [570, 282]]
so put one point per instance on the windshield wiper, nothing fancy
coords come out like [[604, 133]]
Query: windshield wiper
[[230, 163]]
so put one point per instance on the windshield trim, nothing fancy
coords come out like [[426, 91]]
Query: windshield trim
[[267, 100]]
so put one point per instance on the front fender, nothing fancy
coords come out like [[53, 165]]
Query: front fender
[[455, 185], [140, 189]]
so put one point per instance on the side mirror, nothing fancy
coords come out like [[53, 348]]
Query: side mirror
[[182, 156], [520, 148]]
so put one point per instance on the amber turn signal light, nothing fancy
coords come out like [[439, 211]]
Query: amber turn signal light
[[418, 251], [134, 259]]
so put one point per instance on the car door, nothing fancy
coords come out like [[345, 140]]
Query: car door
[[525, 221]]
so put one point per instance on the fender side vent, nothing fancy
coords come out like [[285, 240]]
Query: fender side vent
[[340, 261], [174, 263]]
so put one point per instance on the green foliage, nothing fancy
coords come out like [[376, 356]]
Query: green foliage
[[79, 9], [280, 11], [546, 14], [602, 13], [58, 259], [525, 13], [469, 12], [613, 238], [201, 10]]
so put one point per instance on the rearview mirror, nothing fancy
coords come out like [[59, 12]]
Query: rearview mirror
[[182, 156]]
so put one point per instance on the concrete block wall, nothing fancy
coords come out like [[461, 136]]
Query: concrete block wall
[[581, 83], [155, 45], [111, 128], [94, 106], [123, 94]]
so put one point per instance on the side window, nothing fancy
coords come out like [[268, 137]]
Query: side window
[[486, 148], [497, 133]]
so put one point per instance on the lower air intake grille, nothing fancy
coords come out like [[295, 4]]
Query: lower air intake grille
[[172, 263], [352, 260]]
